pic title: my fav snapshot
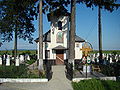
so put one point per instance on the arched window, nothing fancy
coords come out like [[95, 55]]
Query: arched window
[[59, 25]]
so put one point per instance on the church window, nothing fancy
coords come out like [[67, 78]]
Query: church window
[[59, 25], [59, 38], [77, 45]]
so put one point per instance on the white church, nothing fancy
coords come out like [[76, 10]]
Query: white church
[[55, 41]]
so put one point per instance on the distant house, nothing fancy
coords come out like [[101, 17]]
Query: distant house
[[55, 41]]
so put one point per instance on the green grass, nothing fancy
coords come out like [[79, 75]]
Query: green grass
[[94, 84]]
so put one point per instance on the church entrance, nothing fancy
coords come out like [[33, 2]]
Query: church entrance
[[59, 57]]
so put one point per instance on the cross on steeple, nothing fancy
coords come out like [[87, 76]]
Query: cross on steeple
[[86, 49]]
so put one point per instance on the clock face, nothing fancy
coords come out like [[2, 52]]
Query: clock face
[[59, 37]]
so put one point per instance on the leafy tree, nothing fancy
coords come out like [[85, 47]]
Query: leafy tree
[[16, 18]]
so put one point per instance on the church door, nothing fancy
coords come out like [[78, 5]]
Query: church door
[[59, 57]]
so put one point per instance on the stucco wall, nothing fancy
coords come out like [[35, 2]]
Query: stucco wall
[[78, 52]]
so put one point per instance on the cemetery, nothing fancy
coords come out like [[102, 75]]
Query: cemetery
[[19, 68], [63, 55], [109, 66]]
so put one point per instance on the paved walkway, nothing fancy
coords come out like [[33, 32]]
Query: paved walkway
[[58, 82]]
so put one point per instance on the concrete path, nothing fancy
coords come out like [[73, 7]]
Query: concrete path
[[58, 82]]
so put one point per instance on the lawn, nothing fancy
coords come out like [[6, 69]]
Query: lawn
[[94, 84]]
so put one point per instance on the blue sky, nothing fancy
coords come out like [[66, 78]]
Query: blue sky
[[86, 27]]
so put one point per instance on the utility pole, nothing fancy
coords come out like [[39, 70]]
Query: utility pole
[[100, 32]]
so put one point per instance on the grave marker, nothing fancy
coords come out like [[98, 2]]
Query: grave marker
[[17, 61], [0, 60], [8, 60]]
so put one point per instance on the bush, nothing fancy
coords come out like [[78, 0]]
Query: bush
[[94, 84], [30, 61], [111, 69], [16, 72], [13, 71]]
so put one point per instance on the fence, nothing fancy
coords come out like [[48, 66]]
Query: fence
[[69, 71], [48, 69]]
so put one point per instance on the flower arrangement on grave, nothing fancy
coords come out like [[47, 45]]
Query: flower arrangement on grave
[[86, 49], [86, 60]]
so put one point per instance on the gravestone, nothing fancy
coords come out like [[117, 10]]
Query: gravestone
[[97, 54], [110, 59], [21, 58], [103, 55], [17, 61], [0, 60], [93, 59], [8, 60], [28, 57], [97, 59], [107, 56], [88, 68]]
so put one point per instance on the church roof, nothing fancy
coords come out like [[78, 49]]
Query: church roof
[[79, 39], [47, 38], [59, 48]]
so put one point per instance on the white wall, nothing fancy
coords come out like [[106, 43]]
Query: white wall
[[78, 52], [54, 28]]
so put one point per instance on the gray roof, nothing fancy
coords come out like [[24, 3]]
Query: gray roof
[[59, 48], [47, 38], [79, 39]]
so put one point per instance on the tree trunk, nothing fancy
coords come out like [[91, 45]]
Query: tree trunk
[[40, 66], [15, 44], [72, 32], [100, 33]]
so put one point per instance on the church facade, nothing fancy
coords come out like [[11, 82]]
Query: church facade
[[56, 40]]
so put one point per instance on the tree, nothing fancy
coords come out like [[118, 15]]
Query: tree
[[16, 19], [40, 67], [72, 31]]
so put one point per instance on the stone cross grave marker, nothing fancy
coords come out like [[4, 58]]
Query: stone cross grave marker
[[8, 60], [86, 49], [21, 58], [28, 57], [0, 60], [17, 61]]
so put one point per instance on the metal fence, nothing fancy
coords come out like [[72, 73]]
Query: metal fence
[[48, 69], [69, 71]]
